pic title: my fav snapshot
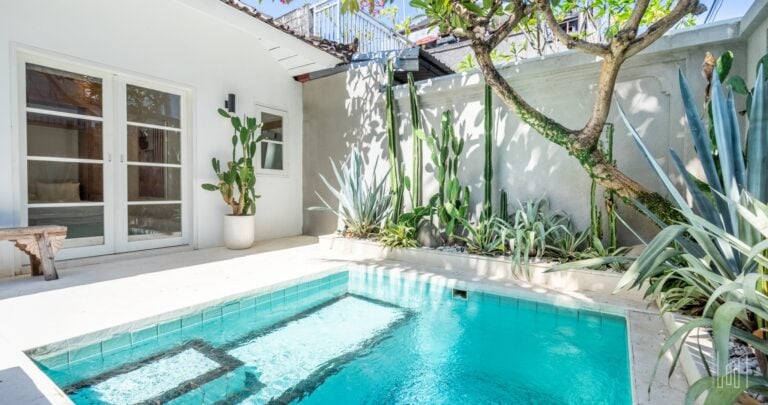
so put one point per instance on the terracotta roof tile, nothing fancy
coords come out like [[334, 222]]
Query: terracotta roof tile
[[341, 51]]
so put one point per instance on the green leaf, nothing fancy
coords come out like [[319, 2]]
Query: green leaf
[[723, 66], [223, 113], [210, 187], [236, 123], [737, 84]]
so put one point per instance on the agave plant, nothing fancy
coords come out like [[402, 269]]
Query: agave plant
[[364, 201], [488, 237], [717, 256], [532, 228]]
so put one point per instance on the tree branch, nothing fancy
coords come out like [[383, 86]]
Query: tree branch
[[569, 41], [636, 18], [592, 159], [509, 25], [664, 24]]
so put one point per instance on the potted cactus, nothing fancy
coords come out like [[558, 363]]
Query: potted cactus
[[237, 182]]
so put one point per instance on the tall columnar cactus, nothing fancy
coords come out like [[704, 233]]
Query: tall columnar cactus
[[610, 200], [395, 173], [503, 206], [595, 215], [451, 201], [418, 134], [488, 172]]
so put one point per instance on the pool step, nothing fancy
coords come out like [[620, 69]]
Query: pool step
[[279, 364], [294, 359], [158, 378]]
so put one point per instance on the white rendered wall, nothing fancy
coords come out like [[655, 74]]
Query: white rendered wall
[[166, 41], [338, 116]]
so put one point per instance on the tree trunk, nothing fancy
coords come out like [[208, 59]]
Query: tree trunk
[[581, 144]]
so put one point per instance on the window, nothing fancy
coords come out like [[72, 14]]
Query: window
[[271, 150]]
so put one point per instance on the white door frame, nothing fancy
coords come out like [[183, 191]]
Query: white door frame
[[114, 131]]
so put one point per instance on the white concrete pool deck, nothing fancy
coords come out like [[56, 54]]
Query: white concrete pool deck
[[103, 293]]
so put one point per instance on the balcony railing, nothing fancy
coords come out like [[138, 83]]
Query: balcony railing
[[325, 20]]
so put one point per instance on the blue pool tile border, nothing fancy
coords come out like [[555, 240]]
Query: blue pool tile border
[[277, 300]]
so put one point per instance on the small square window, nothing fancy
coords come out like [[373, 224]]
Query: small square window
[[271, 149]]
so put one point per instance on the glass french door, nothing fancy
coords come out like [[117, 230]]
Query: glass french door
[[103, 155], [151, 137]]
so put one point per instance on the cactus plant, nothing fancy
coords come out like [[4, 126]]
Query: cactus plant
[[451, 200], [610, 199], [503, 205], [418, 165], [395, 172], [237, 181], [488, 170]]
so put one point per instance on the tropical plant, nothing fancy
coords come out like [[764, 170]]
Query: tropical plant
[[451, 201], [364, 200], [631, 27], [398, 235], [716, 257], [488, 237], [404, 232], [237, 180], [395, 169]]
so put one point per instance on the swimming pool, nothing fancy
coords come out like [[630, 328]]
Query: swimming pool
[[357, 337]]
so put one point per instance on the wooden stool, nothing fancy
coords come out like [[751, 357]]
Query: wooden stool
[[41, 244]]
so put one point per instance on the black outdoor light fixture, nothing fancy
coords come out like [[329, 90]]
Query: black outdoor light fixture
[[229, 103]]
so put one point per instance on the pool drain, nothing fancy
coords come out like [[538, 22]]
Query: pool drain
[[460, 294]]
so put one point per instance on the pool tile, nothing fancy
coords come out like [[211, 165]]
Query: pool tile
[[569, 312], [247, 303], [56, 361], [263, 298], [508, 302], [116, 342], [168, 327], [542, 308], [212, 313], [230, 307], [491, 299], [291, 290], [524, 305], [143, 335], [190, 320], [85, 352]]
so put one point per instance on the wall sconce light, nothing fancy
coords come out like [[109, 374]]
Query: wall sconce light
[[229, 103]]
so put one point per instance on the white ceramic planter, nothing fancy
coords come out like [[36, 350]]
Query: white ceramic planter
[[239, 231]]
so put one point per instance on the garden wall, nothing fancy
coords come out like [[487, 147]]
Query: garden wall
[[347, 110]]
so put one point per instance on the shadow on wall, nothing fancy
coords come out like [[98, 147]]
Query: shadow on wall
[[347, 110]]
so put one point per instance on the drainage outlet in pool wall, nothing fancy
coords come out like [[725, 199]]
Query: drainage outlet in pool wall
[[460, 294]]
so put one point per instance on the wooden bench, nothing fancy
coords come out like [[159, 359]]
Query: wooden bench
[[41, 244]]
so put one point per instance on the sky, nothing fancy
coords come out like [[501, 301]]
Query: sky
[[728, 9]]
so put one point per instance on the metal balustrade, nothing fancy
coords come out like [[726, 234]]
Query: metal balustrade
[[325, 20]]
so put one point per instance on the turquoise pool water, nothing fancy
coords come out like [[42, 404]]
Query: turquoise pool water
[[358, 337]]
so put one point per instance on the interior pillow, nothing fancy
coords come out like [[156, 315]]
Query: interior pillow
[[58, 192]]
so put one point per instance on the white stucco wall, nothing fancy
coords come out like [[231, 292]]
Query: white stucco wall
[[527, 166], [755, 26], [168, 41]]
